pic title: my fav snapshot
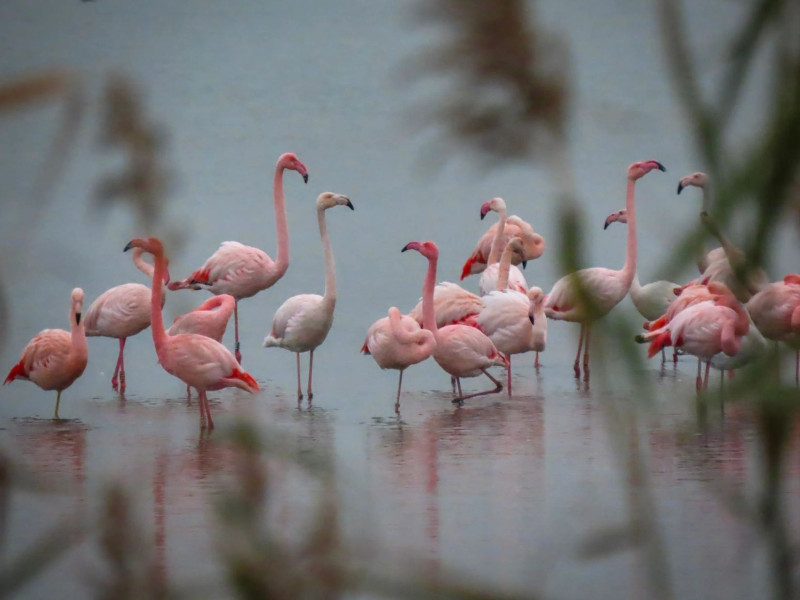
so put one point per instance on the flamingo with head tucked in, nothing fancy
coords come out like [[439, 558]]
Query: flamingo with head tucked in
[[302, 322], [121, 312], [197, 360], [514, 227], [461, 350], [55, 358], [586, 295], [776, 313], [243, 271]]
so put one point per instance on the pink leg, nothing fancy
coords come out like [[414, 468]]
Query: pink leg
[[208, 412], [586, 351], [705, 379], [674, 356], [663, 356], [120, 367], [577, 365], [310, 371], [200, 396], [188, 395], [699, 382], [509, 375], [299, 389], [236, 330], [397, 400], [498, 387], [458, 384], [536, 363], [797, 367]]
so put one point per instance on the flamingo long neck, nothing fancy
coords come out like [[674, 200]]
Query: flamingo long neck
[[494, 252], [330, 266], [629, 269], [156, 318], [141, 264], [706, 197], [281, 226], [428, 312], [636, 286], [505, 267]]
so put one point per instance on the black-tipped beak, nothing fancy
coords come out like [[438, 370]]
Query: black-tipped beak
[[661, 167], [680, 187], [524, 263], [640, 339], [350, 205], [530, 317], [305, 178], [606, 225], [483, 214], [404, 248], [127, 247], [78, 318]]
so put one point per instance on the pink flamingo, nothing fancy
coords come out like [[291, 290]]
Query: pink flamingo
[[461, 350], [209, 319], [121, 312], [514, 227], [243, 271], [589, 294], [397, 342], [302, 322], [488, 280], [704, 329], [538, 320], [776, 313], [199, 361], [451, 304], [55, 358]]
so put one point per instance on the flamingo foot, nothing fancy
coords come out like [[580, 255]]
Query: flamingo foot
[[397, 408], [458, 401]]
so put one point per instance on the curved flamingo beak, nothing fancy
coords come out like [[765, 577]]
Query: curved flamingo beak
[[680, 186], [410, 246], [350, 204], [305, 177], [485, 208]]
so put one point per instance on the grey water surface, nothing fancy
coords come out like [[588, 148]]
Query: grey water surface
[[509, 492]]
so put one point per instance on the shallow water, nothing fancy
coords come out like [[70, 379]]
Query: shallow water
[[513, 493]]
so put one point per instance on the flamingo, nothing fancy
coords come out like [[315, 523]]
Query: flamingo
[[396, 342], [589, 294], [199, 361], [209, 319], [302, 322], [653, 299], [121, 312], [703, 329], [514, 227], [538, 320], [776, 313], [451, 304], [243, 271], [461, 350], [505, 316], [488, 280], [55, 358]]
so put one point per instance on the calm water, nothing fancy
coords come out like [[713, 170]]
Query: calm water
[[508, 490]]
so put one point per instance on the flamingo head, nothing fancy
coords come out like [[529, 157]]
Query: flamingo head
[[698, 179], [154, 246], [290, 161], [792, 278], [517, 247], [639, 169], [495, 204], [621, 216], [536, 298], [327, 200], [76, 304], [428, 249]]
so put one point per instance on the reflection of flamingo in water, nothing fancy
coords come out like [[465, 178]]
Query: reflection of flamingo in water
[[461, 350]]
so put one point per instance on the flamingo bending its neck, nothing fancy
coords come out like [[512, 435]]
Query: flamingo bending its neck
[[121, 312], [243, 271], [199, 361], [488, 280], [302, 322], [586, 295], [55, 358], [514, 227]]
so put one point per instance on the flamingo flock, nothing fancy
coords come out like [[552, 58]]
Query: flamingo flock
[[721, 318]]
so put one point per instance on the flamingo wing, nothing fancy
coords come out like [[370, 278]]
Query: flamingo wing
[[121, 311]]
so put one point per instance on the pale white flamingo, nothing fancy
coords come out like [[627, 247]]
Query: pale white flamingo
[[514, 227], [488, 280], [302, 322], [55, 358], [461, 350], [396, 342], [199, 361], [121, 312], [505, 316], [588, 294], [209, 319], [538, 319], [243, 271], [776, 313], [703, 330], [652, 299]]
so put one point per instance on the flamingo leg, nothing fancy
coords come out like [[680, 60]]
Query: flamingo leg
[[586, 351], [797, 367], [705, 380], [577, 365], [397, 400], [58, 401], [498, 387], [699, 380], [310, 372], [202, 407], [536, 363], [663, 356], [674, 356], [208, 412], [120, 365], [453, 383], [236, 331], [188, 395], [509, 375], [458, 384], [299, 389]]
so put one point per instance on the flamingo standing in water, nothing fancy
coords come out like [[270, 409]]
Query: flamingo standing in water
[[302, 322], [55, 358], [538, 321], [488, 280], [589, 294], [243, 271], [461, 350], [514, 227], [121, 312], [199, 361], [776, 313], [397, 342]]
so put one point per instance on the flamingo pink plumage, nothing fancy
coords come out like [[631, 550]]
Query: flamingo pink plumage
[[121, 312], [588, 294], [461, 350], [488, 279], [55, 358], [302, 322], [514, 227], [452, 304], [243, 271], [199, 361], [776, 313]]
